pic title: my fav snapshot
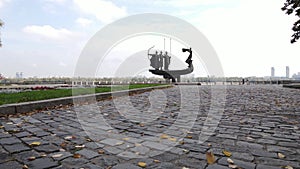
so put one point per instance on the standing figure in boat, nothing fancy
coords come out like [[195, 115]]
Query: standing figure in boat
[[167, 59], [154, 60], [161, 60]]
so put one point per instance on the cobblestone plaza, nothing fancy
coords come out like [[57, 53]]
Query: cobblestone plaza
[[258, 125]]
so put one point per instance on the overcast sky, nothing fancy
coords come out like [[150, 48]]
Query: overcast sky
[[45, 37]]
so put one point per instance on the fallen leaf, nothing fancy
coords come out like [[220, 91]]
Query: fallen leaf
[[125, 139], [226, 153], [230, 161], [25, 167], [76, 155], [142, 125], [210, 158], [57, 155], [185, 168], [185, 151], [68, 137], [79, 146], [142, 164], [31, 158], [249, 138], [288, 167], [209, 144], [88, 139], [1, 127], [62, 150], [233, 166], [189, 136], [101, 152], [119, 143], [156, 161], [172, 139], [35, 143], [181, 142], [43, 155], [137, 144], [64, 144], [280, 155], [164, 136]]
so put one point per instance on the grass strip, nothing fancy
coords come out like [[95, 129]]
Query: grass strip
[[8, 98]]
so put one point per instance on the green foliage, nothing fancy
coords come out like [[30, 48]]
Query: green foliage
[[293, 6], [8, 98]]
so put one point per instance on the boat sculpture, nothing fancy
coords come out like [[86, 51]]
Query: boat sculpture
[[160, 62]]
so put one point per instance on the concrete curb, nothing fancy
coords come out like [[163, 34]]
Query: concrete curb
[[293, 85], [17, 108]]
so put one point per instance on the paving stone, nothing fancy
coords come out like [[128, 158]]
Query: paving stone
[[289, 144], [29, 140], [89, 154], [230, 136], [259, 166], [9, 141], [10, 164], [112, 150], [190, 162], [22, 134], [243, 156], [126, 166], [112, 142], [49, 148], [16, 148], [177, 151], [4, 135], [107, 160], [73, 162], [140, 149], [91, 166], [166, 157], [266, 141], [4, 156], [155, 145], [23, 156], [216, 166], [42, 163], [249, 145], [58, 156], [129, 155], [94, 145], [276, 162], [164, 165], [263, 153]]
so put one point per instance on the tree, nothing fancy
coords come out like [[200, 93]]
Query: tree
[[290, 7], [1, 24]]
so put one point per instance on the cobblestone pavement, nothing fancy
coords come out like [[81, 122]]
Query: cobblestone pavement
[[259, 127]]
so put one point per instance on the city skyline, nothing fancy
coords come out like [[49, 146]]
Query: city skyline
[[49, 36]]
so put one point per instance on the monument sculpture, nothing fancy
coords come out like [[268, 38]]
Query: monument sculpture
[[160, 62]]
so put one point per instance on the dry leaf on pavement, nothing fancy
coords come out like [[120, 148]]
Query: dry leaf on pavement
[[210, 158]]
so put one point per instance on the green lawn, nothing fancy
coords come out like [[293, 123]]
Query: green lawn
[[7, 98]]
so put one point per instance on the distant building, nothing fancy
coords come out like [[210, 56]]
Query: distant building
[[297, 76], [287, 72], [272, 72]]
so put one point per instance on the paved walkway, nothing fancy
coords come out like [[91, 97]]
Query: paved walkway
[[169, 128]]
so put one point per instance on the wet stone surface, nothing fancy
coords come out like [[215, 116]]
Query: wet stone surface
[[161, 128]]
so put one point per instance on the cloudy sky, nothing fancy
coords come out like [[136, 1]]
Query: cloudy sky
[[45, 37]]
